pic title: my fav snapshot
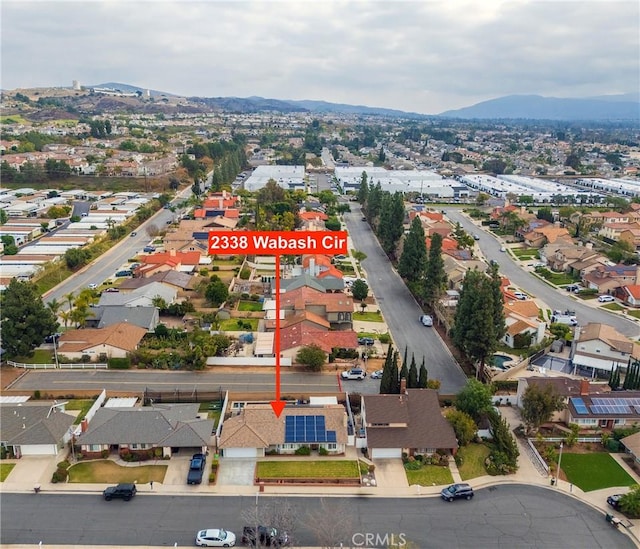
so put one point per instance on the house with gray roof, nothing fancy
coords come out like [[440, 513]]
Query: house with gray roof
[[144, 317], [410, 422], [158, 428], [34, 429], [176, 279], [140, 297]]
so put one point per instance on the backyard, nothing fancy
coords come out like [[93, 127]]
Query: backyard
[[308, 469], [82, 406], [108, 472], [594, 471]]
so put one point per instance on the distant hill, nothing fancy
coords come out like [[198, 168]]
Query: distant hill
[[128, 88], [536, 107]]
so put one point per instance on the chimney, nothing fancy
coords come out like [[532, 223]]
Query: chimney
[[172, 252], [84, 425], [584, 387], [403, 386]]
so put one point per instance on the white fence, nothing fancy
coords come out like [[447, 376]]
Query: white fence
[[70, 366]]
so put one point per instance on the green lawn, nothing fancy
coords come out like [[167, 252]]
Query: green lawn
[[473, 456], [524, 253], [634, 314], [40, 356], [232, 325], [83, 405], [613, 307], [594, 471], [368, 316], [5, 469], [108, 472], [429, 475], [308, 469], [250, 306]]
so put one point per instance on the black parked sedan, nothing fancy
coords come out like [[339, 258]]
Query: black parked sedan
[[614, 500]]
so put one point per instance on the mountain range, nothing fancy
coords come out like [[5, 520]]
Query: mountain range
[[621, 107]]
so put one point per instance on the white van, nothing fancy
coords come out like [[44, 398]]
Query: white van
[[426, 320]]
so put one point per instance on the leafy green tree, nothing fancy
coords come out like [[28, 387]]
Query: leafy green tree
[[463, 238], [76, 258], [435, 279], [539, 404], [414, 253], [9, 244], [332, 224], [390, 227], [630, 502], [360, 290], [3, 217], [474, 399], [545, 213], [311, 356], [463, 425], [26, 321], [216, 291], [373, 204], [494, 165]]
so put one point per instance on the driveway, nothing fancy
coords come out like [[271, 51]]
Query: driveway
[[236, 471], [390, 475]]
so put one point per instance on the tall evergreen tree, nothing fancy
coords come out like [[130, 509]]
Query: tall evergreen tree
[[476, 329], [435, 280], [374, 203], [396, 378], [423, 379], [614, 378], [499, 324], [404, 372], [413, 260], [391, 226], [363, 190], [412, 379], [389, 374]]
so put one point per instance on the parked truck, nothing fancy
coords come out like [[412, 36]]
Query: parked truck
[[196, 469]]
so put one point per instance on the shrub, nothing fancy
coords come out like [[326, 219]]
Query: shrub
[[119, 363], [303, 451], [104, 454], [323, 451], [59, 475], [413, 465], [63, 465], [212, 478]]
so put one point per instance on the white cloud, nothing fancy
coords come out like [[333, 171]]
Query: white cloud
[[423, 56]]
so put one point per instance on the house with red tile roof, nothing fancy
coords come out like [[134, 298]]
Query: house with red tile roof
[[151, 264], [630, 295], [522, 319]]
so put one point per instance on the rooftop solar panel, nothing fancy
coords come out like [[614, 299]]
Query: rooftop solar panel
[[579, 405]]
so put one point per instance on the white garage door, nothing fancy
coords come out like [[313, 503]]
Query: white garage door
[[38, 449], [386, 453], [240, 452]]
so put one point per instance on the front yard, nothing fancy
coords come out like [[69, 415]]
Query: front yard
[[471, 460], [429, 475], [594, 471], [108, 472], [5, 469], [308, 469]]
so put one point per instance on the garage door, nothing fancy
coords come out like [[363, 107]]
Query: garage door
[[240, 452], [386, 453]]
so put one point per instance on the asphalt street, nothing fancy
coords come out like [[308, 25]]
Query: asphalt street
[[138, 381], [504, 516], [553, 297], [401, 311]]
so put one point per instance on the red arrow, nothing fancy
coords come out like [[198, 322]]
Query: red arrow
[[277, 404]]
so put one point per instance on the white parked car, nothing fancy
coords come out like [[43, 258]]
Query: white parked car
[[215, 537], [92, 286], [520, 295], [426, 320], [606, 298], [354, 373]]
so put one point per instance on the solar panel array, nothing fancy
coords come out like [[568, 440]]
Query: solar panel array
[[307, 429], [608, 405], [579, 405]]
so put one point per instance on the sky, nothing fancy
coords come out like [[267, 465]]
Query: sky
[[423, 56]]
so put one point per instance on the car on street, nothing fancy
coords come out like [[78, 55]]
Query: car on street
[[366, 341], [614, 500], [426, 320], [377, 374], [121, 491], [215, 537], [354, 373], [476, 237], [457, 491], [133, 233], [606, 298], [92, 286]]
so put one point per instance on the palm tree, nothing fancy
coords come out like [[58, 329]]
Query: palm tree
[[66, 317], [54, 306]]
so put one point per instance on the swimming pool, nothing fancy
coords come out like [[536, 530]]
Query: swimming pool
[[499, 361]]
